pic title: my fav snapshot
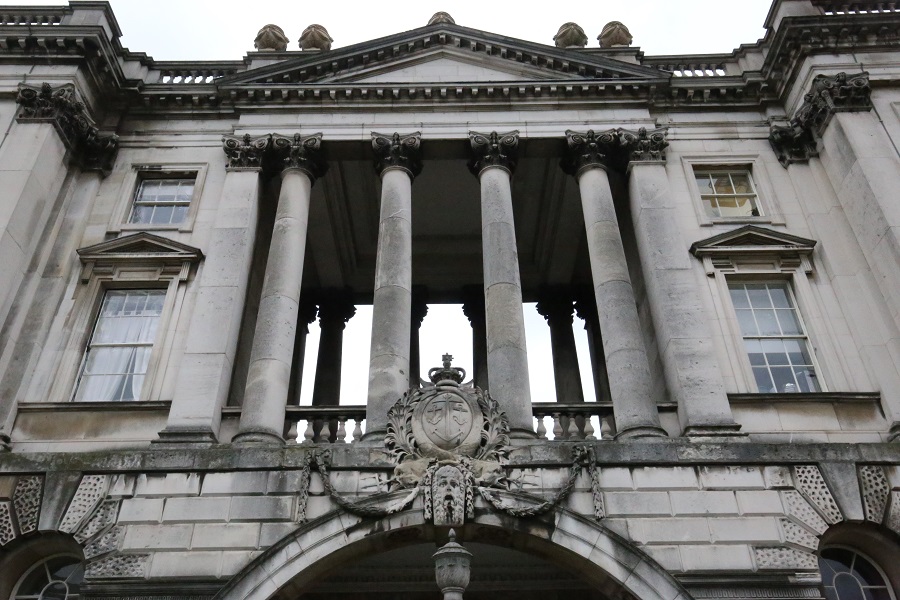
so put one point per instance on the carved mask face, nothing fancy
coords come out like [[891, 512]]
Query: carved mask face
[[448, 495]]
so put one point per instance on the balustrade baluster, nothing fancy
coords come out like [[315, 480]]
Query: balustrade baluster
[[541, 430], [588, 427], [557, 427], [309, 434], [341, 436]]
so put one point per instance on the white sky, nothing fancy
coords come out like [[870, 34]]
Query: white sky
[[225, 30]]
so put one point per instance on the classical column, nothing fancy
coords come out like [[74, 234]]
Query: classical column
[[204, 372], [557, 307], [419, 310], [335, 310], [684, 338], [836, 123], [627, 366], [507, 357], [307, 314], [473, 308], [398, 161], [271, 356], [586, 309]]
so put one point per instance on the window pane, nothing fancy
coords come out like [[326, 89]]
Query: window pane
[[867, 572], [774, 351], [755, 352], [784, 380], [162, 215], [155, 201], [741, 183], [848, 587], [759, 295], [704, 183], [709, 204], [789, 323], [722, 183], [763, 380], [747, 322], [779, 296], [739, 296], [768, 324]]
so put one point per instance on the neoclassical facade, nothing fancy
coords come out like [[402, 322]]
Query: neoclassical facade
[[725, 229]]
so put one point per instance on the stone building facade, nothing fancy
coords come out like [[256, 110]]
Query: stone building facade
[[726, 228]]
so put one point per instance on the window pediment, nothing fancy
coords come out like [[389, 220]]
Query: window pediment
[[140, 250], [754, 244]]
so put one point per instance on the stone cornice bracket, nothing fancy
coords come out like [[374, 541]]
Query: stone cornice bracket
[[829, 94], [644, 145], [60, 106], [493, 150], [588, 150], [245, 152], [397, 151], [299, 152]]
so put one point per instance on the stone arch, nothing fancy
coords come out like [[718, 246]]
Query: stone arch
[[601, 557]]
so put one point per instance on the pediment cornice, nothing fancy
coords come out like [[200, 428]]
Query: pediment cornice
[[754, 243]]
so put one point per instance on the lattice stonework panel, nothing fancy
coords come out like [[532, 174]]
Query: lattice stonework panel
[[784, 558], [90, 491], [893, 520], [27, 502], [106, 543], [102, 518], [875, 491], [811, 484], [798, 535], [122, 565], [7, 529], [800, 509]]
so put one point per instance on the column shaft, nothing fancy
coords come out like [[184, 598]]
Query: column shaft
[[474, 311], [392, 301], [334, 312], [557, 308], [507, 355], [628, 370], [268, 377]]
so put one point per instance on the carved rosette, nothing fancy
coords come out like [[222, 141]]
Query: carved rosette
[[588, 150], [299, 152], [271, 38], [829, 94], [398, 151], [644, 145], [493, 150], [245, 152], [61, 107]]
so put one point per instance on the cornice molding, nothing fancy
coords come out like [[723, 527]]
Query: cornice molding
[[301, 152], [398, 151], [493, 150], [60, 106], [829, 94]]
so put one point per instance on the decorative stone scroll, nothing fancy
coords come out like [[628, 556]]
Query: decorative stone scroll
[[245, 152], [570, 35], [450, 441], [301, 152], [875, 491], [60, 106], [796, 141], [271, 38], [396, 151], [493, 150]]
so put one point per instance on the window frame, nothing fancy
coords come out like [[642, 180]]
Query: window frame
[[875, 564], [140, 172], [759, 179]]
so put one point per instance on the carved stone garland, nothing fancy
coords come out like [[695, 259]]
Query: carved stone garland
[[450, 441], [60, 106]]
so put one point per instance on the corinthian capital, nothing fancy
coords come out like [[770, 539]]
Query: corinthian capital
[[644, 145], [60, 106], [397, 151], [590, 149], [299, 152], [493, 150], [245, 152]]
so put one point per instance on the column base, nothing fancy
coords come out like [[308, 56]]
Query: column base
[[642, 433], [894, 432], [715, 433], [186, 436], [257, 438]]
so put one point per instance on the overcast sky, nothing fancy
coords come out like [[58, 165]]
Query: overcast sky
[[225, 30]]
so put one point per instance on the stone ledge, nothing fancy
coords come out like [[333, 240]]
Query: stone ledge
[[70, 407], [839, 397]]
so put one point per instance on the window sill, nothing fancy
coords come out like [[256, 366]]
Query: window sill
[[135, 227], [840, 397], [57, 407], [709, 222]]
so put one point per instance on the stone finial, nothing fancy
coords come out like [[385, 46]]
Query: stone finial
[[301, 152], [271, 38], [614, 34], [245, 152], [441, 17], [398, 151], [315, 37], [570, 35], [493, 150], [452, 568]]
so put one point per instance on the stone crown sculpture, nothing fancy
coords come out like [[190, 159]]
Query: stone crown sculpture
[[441, 17], [570, 35], [315, 37], [271, 38], [614, 34]]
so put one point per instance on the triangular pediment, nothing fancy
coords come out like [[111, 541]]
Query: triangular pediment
[[140, 246], [442, 53], [751, 237]]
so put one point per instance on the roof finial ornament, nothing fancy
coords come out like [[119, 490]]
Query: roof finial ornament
[[614, 34], [271, 38], [315, 37], [570, 35], [441, 17]]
